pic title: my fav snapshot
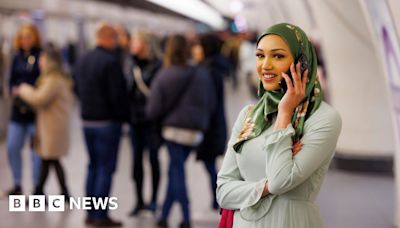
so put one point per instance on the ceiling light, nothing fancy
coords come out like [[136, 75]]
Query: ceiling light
[[195, 9]]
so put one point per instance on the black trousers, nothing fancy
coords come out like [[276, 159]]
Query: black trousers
[[141, 140], [46, 164]]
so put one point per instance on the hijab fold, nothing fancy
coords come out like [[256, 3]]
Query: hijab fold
[[261, 115]]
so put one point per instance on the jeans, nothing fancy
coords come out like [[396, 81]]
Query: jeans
[[16, 136], [212, 172], [102, 145], [141, 140], [176, 190]]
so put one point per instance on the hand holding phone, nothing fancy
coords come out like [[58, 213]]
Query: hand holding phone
[[303, 67]]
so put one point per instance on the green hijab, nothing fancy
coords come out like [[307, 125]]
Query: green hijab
[[260, 116]]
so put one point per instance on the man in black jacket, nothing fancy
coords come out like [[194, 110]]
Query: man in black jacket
[[101, 88]]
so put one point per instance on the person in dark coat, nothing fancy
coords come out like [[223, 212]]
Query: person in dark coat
[[214, 142], [146, 63], [24, 69], [183, 98], [101, 89]]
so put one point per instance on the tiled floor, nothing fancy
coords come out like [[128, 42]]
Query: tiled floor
[[346, 200]]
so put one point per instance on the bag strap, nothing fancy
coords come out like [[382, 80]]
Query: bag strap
[[137, 76]]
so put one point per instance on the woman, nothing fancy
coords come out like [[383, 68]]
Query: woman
[[146, 62], [24, 69], [52, 99], [281, 147], [207, 54], [182, 98]]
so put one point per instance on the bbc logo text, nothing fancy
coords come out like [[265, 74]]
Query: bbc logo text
[[37, 203]]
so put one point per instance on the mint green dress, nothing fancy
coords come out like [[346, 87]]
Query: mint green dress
[[293, 182]]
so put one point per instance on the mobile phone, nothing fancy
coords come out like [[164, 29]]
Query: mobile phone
[[303, 67]]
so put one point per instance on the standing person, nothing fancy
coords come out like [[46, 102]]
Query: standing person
[[52, 99], [230, 50], [183, 98], [146, 62], [24, 69], [214, 142], [281, 147], [101, 88], [123, 52]]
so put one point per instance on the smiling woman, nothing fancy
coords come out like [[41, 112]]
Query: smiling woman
[[273, 58], [281, 147]]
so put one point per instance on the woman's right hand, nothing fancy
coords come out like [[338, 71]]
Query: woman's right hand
[[296, 89], [295, 93]]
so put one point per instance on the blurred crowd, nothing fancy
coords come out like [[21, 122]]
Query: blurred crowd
[[168, 90]]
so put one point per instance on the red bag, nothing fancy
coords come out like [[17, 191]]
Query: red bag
[[226, 220]]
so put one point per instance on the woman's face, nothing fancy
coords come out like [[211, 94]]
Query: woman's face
[[26, 40], [273, 58], [138, 47], [197, 53], [123, 41]]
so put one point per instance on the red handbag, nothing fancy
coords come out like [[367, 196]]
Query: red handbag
[[226, 220]]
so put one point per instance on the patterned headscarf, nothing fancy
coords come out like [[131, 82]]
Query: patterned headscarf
[[260, 116]]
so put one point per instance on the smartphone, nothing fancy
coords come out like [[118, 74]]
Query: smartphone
[[303, 67]]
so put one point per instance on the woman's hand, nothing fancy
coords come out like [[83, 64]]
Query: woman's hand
[[296, 89], [296, 147], [265, 191], [295, 93]]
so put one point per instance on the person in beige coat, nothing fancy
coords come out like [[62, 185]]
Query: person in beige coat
[[52, 98]]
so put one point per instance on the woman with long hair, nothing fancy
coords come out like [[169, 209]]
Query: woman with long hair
[[24, 69], [146, 61], [182, 98]]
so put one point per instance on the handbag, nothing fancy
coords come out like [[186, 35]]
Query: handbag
[[226, 220]]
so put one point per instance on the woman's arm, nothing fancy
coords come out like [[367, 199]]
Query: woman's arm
[[285, 171], [156, 101], [233, 192], [43, 95]]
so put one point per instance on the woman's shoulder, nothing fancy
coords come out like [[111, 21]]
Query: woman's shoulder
[[245, 111], [55, 78], [327, 111], [325, 115], [169, 71]]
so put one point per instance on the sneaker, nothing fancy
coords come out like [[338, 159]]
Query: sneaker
[[17, 190], [137, 210], [152, 207], [89, 221], [38, 191], [106, 222], [185, 225], [162, 223]]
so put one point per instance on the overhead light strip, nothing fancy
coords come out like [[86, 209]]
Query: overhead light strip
[[195, 9]]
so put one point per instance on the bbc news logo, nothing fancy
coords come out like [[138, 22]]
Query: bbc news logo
[[57, 203]]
